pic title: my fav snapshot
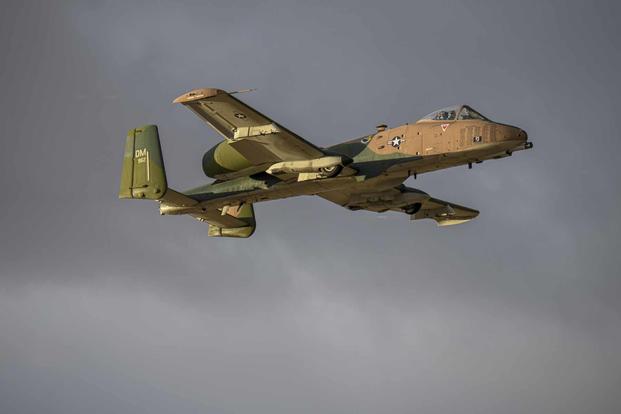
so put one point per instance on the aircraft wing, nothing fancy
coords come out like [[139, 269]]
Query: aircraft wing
[[444, 212], [255, 136], [416, 203]]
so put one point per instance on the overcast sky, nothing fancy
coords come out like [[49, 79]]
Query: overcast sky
[[106, 307]]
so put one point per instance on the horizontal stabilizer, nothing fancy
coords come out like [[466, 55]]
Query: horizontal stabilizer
[[228, 221], [240, 222]]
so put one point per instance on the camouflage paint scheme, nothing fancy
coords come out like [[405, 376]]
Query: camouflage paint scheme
[[260, 160]]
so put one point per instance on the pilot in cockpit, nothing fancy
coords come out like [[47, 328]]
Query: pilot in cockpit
[[441, 116], [444, 116]]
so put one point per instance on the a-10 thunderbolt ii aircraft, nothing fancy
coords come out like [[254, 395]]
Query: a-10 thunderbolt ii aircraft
[[261, 160]]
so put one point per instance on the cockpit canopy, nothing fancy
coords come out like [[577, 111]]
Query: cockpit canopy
[[452, 113]]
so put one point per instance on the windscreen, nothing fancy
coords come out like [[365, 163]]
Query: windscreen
[[469, 113]]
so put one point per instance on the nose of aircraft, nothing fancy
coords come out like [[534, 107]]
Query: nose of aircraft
[[516, 137], [511, 133]]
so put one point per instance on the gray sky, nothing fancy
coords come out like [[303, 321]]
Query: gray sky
[[107, 308]]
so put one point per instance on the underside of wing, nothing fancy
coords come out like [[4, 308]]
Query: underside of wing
[[444, 212], [255, 136], [416, 203]]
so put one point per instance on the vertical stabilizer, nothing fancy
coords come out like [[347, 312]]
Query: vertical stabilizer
[[143, 175]]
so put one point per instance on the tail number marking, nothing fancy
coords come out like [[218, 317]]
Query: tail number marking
[[142, 156]]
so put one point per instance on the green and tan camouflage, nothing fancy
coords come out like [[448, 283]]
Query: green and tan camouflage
[[260, 160]]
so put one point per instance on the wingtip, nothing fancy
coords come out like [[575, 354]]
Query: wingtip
[[198, 94]]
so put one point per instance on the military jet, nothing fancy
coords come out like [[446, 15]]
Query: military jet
[[261, 160]]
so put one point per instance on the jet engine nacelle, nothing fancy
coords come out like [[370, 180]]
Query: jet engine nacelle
[[223, 159]]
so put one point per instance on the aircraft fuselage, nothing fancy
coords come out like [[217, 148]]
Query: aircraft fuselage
[[388, 157]]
